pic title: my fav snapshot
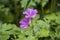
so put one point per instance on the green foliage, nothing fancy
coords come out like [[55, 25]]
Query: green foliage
[[7, 29], [58, 18], [5, 14], [31, 38], [31, 4], [24, 3], [57, 31], [44, 2], [42, 30], [9, 17], [38, 1], [4, 1], [45, 26], [51, 16]]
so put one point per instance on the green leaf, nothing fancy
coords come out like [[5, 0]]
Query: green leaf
[[38, 1], [6, 27], [42, 29], [52, 34], [31, 4], [14, 29], [44, 33], [24, 3], [40, 24], [31, 38], [57, 34], [21, 37], [51, 16], [9, 28], [58, 18], [27, 31], [4, 36], [44, 2]]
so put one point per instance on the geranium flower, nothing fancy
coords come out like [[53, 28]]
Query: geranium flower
[[25, 22], [30, 13]]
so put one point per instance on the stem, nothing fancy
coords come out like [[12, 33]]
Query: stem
[[33, 27], [52, 5], [42, 11], [16, 12]]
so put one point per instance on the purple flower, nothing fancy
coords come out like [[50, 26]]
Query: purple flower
[[30, 13], [25, 22]]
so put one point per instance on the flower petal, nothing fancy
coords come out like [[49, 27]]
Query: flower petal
[[28, 20], [23, 26], [34, 12], [22, 22], [29, 10], [25, 12]]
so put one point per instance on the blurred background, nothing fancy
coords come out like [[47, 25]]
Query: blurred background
[[45, 26]]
